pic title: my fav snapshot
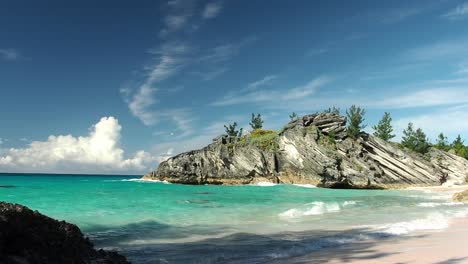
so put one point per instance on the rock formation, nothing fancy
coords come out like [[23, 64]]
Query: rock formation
[[27, 236], [314, 149], [461, 196]]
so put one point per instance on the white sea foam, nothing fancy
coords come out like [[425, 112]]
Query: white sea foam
[[144, 180], [347, 203], [434, 221], [264, 184], [314, 208], [433, 204], [305, 185]]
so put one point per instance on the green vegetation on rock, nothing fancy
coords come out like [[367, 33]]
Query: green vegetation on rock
[[266, 140]]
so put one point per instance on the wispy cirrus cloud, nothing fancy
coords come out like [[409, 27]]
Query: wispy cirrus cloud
[[400, 14], [247, 96], [438, 50], [267, 80], [459, 12], [212, 10], [9, 54], [445, 95]]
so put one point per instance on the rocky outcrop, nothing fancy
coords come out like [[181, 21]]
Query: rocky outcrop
[[314, 149], [27, 236], [461, 196]]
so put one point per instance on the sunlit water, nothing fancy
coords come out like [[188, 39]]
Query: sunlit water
[[154, 222]]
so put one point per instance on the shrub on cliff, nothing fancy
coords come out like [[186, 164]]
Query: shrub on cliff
[[266, 140], [355, 118], [384, 128]]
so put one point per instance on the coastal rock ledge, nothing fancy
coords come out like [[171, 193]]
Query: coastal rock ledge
[[315, 150], [28, 237]]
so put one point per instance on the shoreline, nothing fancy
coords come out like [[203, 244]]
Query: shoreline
[[430, 246], [447, 245]]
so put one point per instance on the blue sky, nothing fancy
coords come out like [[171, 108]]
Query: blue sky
[[117, 86]]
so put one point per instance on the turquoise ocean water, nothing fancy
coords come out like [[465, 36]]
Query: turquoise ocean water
[[155, 222]]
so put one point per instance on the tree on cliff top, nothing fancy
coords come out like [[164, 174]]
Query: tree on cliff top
[[384, 128], [442, 143], [293, 116], [332, 110], [415, 140], [355, 118], [458, 146], [257, 122], [231, 130]]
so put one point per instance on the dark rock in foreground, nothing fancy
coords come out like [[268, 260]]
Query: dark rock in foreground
[[28, 237], [314, 149]]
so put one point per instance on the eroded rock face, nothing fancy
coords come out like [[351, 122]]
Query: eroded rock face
[[313, 149], [27, 236]]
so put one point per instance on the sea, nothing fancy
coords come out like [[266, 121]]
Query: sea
[[159, 222]]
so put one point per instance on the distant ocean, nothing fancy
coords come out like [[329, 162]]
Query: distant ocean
[[157, 222]]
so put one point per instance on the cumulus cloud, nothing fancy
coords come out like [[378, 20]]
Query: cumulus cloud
[[98, 152], [212, 10]]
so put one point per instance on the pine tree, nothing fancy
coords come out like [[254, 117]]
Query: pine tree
[[409, 138], [231, 130], [415, 140], [332, 110], [257, 122], [355, 118], [422, 142], [442, 143], [458, 146], [384, 128], [293, 116]]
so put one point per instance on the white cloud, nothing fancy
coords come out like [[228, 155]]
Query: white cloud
[[398, 15], [212, 10], [170, 60], [425, 98], [140, 105], [267, 80], [316, 52], [9, 54], [270, 95], [213, 74], [98, 152], [458, 12], [443, 49], [175, 146], [175, 22]]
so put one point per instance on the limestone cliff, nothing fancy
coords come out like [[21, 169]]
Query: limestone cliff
[[313, 149]]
